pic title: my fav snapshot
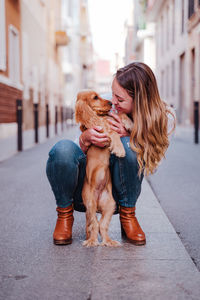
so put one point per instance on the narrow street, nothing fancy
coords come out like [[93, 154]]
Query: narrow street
[[32, 267], [146, 54]]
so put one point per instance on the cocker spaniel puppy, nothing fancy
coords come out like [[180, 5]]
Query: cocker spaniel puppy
[[92, 110]]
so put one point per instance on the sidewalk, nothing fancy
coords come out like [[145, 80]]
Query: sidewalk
[[160, 270], [186, 133], [33, 268]]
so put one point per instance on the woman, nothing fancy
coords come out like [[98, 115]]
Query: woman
[[134, 92]]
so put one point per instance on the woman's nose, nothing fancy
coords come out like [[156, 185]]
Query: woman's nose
[[114, 101]]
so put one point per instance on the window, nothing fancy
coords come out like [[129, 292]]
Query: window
[[190, 8], [173, 78], [167, 82], [14, 58], [70, 8], [182, 16], [162, 83], [2, 36], [167, 28], [173, 21], [162, 35], [25, 64]]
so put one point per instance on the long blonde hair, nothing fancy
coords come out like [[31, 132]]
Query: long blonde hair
[[149, 137]]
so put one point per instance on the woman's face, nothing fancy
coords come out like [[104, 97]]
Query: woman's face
[[121, 99]]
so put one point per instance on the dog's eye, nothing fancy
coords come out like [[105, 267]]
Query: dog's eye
[[95, 97]]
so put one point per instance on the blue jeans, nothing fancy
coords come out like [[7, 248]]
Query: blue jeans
[[66, 171]]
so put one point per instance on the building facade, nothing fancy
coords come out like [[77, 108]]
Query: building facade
[[140, 41], [77, 64], [177, 38], [10, 65], [46, 57]]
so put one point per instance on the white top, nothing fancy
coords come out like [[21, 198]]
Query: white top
[[171, 120]]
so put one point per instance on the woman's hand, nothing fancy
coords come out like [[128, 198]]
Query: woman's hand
[[117, 125], [93, 136]]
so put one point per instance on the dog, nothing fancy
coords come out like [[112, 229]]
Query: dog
[[92, 110]]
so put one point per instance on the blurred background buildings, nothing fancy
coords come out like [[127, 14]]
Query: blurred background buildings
[[47, 55], [166, 36], [45, 58]]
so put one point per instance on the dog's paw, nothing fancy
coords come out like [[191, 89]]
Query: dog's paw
[[91, 243], [111, 243], [127, 122], [119, 152]]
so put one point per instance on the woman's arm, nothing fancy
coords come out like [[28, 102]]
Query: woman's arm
[[84, 147], [93, 136], [117, 125]]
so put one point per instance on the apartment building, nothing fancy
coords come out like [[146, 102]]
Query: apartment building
[[31, 77], [177, 39], [42, 37], [140, 41], [78, 64], [11, 87]]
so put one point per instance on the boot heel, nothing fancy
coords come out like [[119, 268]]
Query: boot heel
[[123, 233]]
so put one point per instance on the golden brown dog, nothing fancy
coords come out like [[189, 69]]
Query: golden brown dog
[[92, 110]]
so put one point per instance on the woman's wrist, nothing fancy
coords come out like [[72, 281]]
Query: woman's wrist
[[84, 144]]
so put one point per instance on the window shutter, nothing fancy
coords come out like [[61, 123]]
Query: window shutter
[[2, 36]]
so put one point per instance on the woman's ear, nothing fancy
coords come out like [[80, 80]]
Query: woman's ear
[[85, 115]]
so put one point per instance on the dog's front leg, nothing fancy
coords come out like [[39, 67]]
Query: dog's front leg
[[92, 224], [92, 230], [116, 147], [107, 207]]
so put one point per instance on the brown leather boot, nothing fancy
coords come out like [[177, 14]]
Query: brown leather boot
[[63, 230], [130, 227]]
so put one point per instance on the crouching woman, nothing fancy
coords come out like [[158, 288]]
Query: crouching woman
[[134, 92]]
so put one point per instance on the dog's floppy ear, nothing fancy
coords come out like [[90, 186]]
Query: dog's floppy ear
[[85, 115]]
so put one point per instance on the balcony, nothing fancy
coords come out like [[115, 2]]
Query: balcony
[[61, 38], [193, 20], [153, 9]]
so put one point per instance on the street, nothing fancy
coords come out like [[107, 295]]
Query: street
[[176, 185], [143, 57], [32, 267]]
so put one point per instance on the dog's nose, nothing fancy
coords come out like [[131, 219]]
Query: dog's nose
[[110, 103]]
